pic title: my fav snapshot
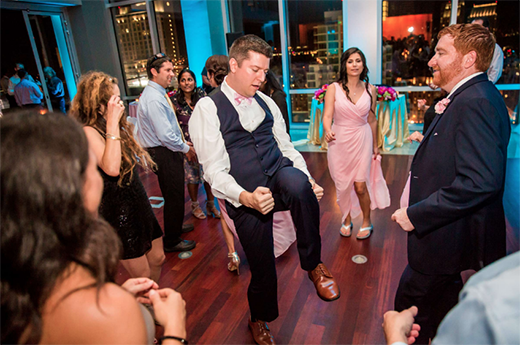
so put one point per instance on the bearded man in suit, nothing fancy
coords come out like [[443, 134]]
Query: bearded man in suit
[[455, 218]]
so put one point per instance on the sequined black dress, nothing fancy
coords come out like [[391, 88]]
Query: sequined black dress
[[128, 210]]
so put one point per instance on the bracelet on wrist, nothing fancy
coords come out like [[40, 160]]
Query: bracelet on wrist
[[111, 136], [181, 340]]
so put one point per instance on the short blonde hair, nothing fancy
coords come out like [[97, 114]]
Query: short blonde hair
[[472, 37]]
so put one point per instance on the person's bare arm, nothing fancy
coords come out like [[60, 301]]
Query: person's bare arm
[[108, 150], [110, 315], [372, 119], [328, 113]]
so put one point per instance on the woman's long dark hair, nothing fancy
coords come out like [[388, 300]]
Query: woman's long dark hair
[[343, 77], [45, 226], [195, 96], [272, 84]]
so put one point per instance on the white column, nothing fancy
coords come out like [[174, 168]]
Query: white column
[[364, 30]]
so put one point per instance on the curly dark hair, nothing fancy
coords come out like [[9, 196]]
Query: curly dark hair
[[343, 77], [218, 67], [45, 226], [181, 99]]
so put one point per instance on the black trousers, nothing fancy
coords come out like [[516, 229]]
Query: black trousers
[[170, 173], [12, 102], [292, 191], [433, 295], [32, 106]]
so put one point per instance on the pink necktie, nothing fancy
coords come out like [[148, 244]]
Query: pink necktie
[[239, 99]]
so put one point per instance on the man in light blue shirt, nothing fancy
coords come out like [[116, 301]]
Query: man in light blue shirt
[[488, 311], [159, 132], [27, 93]]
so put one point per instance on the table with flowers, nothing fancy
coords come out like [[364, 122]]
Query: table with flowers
[[315, 134], [392, 118], [391, 113]]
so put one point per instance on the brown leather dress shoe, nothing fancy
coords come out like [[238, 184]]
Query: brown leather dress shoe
[[326, 286], [261, 333]]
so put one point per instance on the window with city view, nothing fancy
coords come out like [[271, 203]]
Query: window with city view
[[134, 44], [410, 31], [260, 18], [315, 48], [503, 17], [134, 41], [170, 28]]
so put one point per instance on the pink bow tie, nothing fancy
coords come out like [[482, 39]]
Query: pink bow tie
[[239, 99]]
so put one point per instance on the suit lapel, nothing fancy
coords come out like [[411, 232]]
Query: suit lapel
[[478, 79]]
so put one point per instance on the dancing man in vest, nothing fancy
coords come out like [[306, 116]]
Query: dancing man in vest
[[240, 138]]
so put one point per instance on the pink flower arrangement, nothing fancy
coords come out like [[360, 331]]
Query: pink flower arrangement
[[386, 93], [441, 105], [320, 94]]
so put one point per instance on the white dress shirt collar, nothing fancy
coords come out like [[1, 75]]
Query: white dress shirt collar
[[462, 82]]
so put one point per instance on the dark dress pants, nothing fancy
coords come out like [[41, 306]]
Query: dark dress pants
[[292, 191], [170, 173], [433, 295], [58, 104]]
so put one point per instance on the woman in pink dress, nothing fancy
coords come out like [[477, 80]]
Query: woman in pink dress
[[353, 150]]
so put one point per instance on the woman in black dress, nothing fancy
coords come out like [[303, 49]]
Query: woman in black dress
[[272, 88], [124, 204]]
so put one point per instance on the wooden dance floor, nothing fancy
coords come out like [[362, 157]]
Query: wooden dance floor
[[216, 303]]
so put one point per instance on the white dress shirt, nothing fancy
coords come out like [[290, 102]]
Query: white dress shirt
[[204, 128], [497, 64]]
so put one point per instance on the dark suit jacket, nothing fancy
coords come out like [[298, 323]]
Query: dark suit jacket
[[457, 183]]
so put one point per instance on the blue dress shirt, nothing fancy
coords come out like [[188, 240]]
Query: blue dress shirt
[[27, 92], [489, 308], [156, 122]]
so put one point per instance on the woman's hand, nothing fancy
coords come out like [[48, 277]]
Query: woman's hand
[[115, 109], [140, 287], [191, 155], [416, 136], [421, 103], [329, 136], [376, 152], [170, 311]]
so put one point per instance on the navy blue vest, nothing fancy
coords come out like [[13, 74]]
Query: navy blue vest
[[254, 156]]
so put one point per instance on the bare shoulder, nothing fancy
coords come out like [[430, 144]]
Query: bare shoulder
[[91, 316], [330, 96], [92, 134]]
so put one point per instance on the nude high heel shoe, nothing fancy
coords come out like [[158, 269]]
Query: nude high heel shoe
[[212, 209], [197, 211], [234, 262]]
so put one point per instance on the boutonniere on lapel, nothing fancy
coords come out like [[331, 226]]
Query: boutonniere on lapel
[[441, 105]]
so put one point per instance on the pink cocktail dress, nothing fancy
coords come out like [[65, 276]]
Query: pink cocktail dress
[[350, 156]]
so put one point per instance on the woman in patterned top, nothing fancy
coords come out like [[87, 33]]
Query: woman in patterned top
[[184, 101]]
